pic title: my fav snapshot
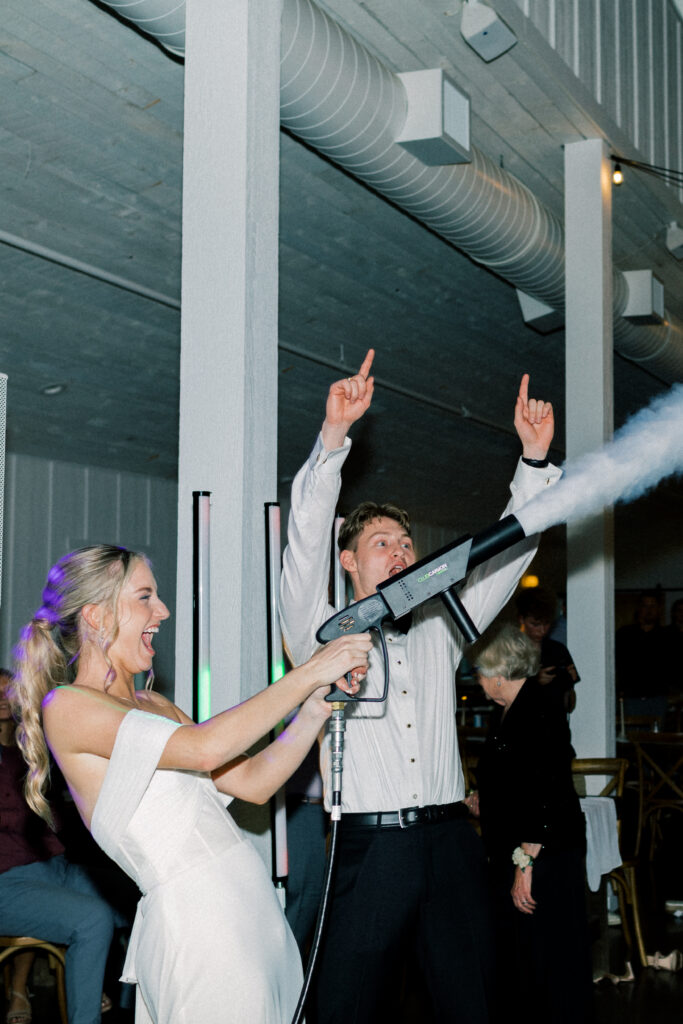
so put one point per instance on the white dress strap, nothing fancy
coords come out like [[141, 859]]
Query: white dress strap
[[139, 744]]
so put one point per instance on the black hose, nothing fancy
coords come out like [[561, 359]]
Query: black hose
[[320, 923], [332, 849]]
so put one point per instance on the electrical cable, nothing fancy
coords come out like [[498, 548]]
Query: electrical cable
[[320, 923], [668, 174]]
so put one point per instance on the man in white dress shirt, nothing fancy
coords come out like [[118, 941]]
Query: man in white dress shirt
[[411, 875]]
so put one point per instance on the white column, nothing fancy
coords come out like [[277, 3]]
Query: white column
[[228, 364], [589, 393]]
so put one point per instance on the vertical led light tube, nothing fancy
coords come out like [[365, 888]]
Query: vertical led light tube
[[276, 669], [338, 573], [201, 634], [3, 421]]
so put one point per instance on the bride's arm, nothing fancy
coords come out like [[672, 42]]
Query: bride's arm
[[214, 743], [256, 778], [77, 726]]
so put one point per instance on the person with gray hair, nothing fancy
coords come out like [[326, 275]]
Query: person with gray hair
[[534, 834], [506, 653]]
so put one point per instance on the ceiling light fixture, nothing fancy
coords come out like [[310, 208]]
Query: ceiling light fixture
[[668, 174], [53, 389], [617, 175], [529, 581]]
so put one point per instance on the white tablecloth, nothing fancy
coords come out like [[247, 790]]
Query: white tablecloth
[[602, 840]]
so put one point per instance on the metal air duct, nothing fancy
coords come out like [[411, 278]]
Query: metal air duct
[[345, 103]]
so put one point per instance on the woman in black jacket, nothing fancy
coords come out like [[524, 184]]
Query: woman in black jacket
[[534, 833]]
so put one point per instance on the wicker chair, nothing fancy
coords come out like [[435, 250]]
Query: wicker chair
[[10, 945], [623, 878]]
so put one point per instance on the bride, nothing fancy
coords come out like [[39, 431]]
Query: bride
[[210, 941]]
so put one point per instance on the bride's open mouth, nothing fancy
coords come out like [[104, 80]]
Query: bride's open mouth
[[147, 638]]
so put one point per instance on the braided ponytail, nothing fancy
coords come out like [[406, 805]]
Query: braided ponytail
[[40, 665], [51, 643]]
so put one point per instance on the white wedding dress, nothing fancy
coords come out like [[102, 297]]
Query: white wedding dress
[[210, 942]]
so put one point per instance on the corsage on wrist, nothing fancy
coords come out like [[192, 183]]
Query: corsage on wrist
[[522, 859]]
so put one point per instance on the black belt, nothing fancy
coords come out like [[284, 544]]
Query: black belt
[[406, 816]]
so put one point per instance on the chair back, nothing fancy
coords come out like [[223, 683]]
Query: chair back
[[623, 878], [612, 768], [641, 723], [10, 945]]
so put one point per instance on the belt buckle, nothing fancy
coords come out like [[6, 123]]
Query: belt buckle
[[406, 810]]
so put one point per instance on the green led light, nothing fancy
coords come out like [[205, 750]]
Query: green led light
[[278, 671], [204, 695]]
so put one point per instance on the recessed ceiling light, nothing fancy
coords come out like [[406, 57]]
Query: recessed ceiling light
[[53, 389]]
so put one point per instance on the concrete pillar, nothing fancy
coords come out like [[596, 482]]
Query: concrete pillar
[[228, 363], [589, 395]]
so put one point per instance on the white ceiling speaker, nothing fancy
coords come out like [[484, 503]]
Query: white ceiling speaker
[[485, 31]]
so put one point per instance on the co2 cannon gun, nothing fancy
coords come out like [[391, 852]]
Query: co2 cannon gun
[[437, 575]]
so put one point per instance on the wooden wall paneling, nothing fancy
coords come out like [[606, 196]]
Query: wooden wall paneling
[[28, 508], [66, 524]]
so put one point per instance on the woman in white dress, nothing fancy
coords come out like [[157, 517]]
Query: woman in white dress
[[210, 942]]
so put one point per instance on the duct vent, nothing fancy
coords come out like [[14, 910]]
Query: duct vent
[[539, 315], [437, 124], [645, 297]]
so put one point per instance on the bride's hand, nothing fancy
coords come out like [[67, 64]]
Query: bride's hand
[[315, 708], [332, 662]]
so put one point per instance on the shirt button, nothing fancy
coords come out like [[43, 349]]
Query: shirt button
[[408, 726], [414, 796], [398, 662], [412, 760], [404, 692]]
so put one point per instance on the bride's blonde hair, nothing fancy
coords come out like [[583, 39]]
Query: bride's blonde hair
[[51, 643]]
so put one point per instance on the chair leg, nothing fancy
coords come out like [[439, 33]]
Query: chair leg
[[58, 964], [655, 832], [630, 873], [627, 886], [641, 802], [620, 888], [61, 995], [624, 883]]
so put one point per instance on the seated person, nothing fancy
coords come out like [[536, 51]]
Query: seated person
[[45, 896]]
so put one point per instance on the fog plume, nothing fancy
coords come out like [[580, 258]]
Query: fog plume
[[648, 448]]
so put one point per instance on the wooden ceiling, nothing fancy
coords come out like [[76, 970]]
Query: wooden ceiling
[[91, 137]]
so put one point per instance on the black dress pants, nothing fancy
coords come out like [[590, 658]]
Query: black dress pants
[[419, 892]]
